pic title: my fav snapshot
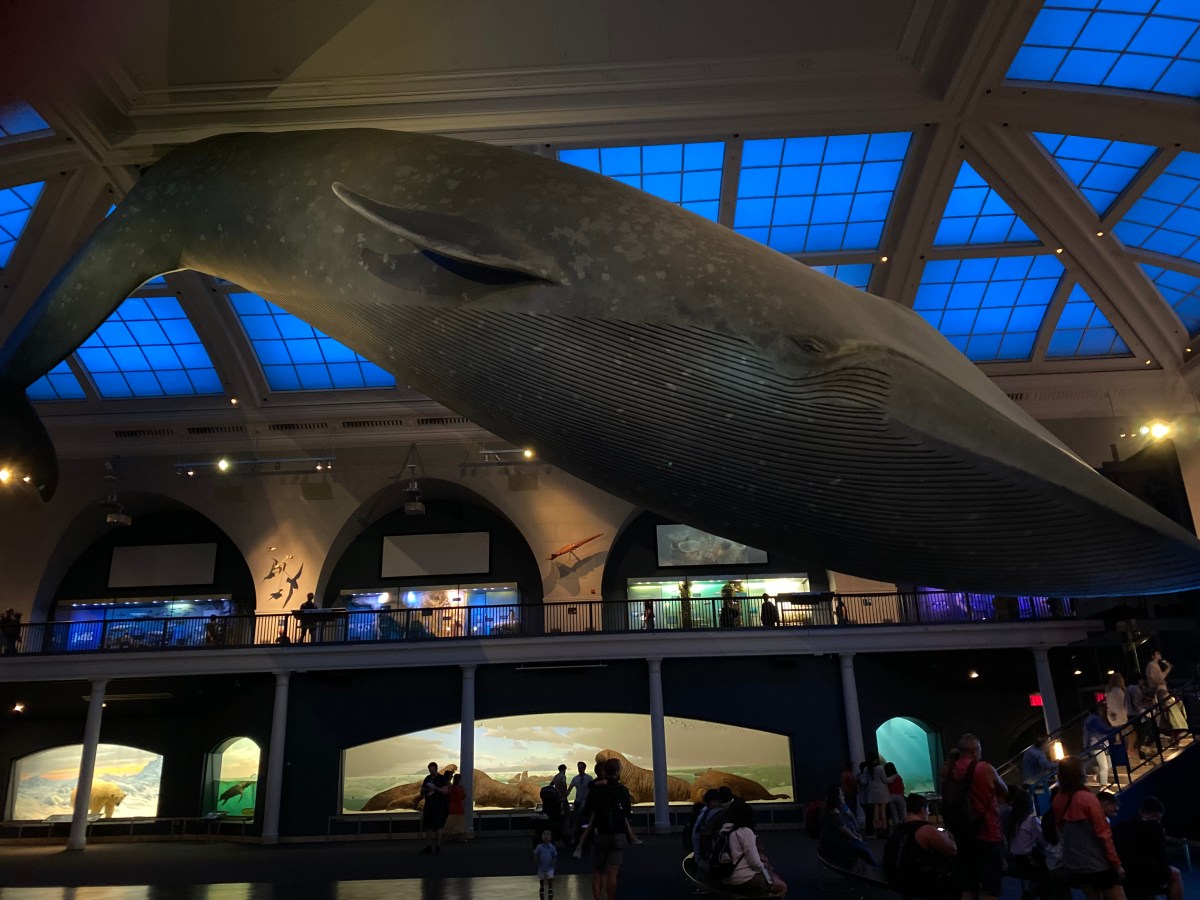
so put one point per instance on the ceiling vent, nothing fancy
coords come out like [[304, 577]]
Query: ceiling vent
[[444, 420], [216, 429], [373, 423], [299, 426], [144, 433]]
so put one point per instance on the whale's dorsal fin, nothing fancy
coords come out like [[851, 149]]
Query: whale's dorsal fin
[[459, 239]]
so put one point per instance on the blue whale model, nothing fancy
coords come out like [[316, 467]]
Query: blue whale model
[[657, 355]]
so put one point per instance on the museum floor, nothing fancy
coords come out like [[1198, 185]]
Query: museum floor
[[492, 869]]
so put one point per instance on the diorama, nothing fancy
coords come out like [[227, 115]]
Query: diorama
[[232, 788], [516, 756], [125, 783]]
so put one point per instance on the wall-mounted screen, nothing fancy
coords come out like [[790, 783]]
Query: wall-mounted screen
[[162, 565], [516, 756], [416, 555], [683, 545], [125, 783]]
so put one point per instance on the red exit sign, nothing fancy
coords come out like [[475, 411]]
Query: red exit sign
[[1035, 700]]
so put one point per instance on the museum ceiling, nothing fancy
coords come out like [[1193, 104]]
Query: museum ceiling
[[1024, 174]]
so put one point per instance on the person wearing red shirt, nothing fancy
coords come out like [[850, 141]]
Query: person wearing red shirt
[[1089, 856], [980, 861], [850, 787]]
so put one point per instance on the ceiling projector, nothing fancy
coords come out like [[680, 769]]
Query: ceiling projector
[[414, 508], [118, 518]]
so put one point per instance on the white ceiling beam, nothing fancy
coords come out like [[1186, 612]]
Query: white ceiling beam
[[225, 342], [35, 160]]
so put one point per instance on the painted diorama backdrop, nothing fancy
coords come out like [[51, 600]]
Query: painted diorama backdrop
[[125, 784], [516, 755]]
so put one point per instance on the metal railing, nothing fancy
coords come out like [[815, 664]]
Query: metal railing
[[349, 626]]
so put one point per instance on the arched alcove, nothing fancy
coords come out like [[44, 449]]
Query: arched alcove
[[231, 778], [915, 749], [125, 783]]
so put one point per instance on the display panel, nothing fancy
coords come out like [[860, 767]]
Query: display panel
[[125, 783], [162, 565], [417, 555], [516, 756], [421, 612], [683, 545], [235, 778]]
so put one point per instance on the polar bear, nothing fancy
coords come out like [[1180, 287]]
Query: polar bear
[[106, 796]]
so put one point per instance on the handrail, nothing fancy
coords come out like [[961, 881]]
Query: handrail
[[337, 625]]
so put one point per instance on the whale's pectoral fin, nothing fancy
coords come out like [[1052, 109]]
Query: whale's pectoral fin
[[25, 447], [466, 247]]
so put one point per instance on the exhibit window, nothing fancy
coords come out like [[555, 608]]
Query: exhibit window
[[137, 622], [125, 783], [231, 783], [679, 610], [455, 610], [914, 748], [516, 756], [936, 605]]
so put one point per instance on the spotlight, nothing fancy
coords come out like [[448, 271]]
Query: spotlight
[[233, 401], [223, 464], [27, 479], [1079, 671], [1159, 430], [18, 707], [527, 453], [1144, 430], [5, 475], [972, 674]]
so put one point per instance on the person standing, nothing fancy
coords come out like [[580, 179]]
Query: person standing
[[850, 788], [979, 867], [1089, 856], [545, 854], [873, 794], [559, 783], [580, 785], [1117, 705], [896, 810], [1096, 737], [456, 821], [608, 808], [1035, 764], [768, 613], [648, 615], [435, 792]]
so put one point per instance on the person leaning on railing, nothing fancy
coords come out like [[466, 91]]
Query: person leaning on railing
[[10, 631]]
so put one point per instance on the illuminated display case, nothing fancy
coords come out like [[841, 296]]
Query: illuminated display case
[[137, 622], [125, 782], [431, 611], [707, 590]]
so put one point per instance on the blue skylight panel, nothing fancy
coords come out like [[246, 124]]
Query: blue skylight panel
[[819, 194], [1084, 331], [976, 214], [59, 383], [18, 118], [296, 357], [1139, 45], [685, 174], [16, 204], [990, 309], [148, 348], [1181, 292], [1166, 218], [1100, 168], [854, 274]]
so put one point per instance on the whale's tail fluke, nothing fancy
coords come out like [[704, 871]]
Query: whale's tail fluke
[[26, 451]]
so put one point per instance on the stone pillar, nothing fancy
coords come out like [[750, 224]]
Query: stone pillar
[[1046, 687], [87, 767], [658, 750], [466, 755], [854, 734], [276, 760]]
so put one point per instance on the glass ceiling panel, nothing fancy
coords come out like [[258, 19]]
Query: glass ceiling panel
[[686, 174], [990, 309], [59, 383], [148, 348], [18, 118], [976, 214], [1140, 45], [856, 274], [1084, 331], [16, 203], [819, 194], [1101, 169], [1181, 292], [296, 357], [1166, 218]]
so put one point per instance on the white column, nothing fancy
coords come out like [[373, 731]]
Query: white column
[[1046, 687], [275, 760], [466, 754], [87, 767], [854, 734], [658, 750]]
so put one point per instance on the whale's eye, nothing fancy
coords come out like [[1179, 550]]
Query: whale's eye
[[809, 344]]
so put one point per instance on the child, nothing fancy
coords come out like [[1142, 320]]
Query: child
[[545, 853]]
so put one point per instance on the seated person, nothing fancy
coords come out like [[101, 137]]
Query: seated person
[[840, 843], [1142, 845], [752, 873], [919, 857]]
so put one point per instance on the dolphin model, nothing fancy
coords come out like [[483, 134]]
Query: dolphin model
[[655, 354]]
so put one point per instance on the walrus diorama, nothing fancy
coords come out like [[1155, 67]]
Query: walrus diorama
[[616, 333]]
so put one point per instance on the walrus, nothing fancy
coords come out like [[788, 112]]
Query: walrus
[[501, 283], [743, 788], [640, 782]]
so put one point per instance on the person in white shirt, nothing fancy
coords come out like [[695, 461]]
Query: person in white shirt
[[752, 873], [580, 785]]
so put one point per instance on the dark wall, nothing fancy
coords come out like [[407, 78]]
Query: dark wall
[[511, 559], [1154, 477], [87, 578], [634, 554]]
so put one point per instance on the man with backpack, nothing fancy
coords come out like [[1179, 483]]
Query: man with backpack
[[708, 825], [608, 807], [971, 813], [919, 858]]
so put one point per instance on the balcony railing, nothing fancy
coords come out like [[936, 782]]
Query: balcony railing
[[351, 626]]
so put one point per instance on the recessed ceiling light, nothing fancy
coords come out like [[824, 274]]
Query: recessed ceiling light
[[1058, 250], [1099, 234], [233, 400]]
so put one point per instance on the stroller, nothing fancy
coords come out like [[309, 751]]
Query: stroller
[[552, 818]]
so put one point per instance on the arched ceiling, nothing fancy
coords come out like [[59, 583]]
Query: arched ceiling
[[1025, 175]]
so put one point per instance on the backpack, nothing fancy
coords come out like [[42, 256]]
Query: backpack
[[964, 823], [911, 869], [721, 862], [708, 836], [607, 806]]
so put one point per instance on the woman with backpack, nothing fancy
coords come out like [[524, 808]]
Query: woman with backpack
[[1088, 853], [748, 871]]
